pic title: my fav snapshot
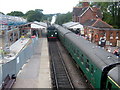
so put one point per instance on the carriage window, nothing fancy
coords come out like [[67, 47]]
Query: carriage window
[[87, 64], [92, 69], [82, 58], [109, 86]]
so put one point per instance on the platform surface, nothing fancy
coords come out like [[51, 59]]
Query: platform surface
[[36, 73]]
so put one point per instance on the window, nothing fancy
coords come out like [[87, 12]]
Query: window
[[15, 34], [92, 69], [82, 58], [117, 35], [87, 65], [104, 35], [111, 35]]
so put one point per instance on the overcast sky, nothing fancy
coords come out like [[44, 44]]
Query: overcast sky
[[48, 6]]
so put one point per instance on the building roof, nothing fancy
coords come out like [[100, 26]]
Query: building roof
[[38, 25], [78, 11], [106, 29], [73, 25], [69, 24], [89, 22], [98, 23]]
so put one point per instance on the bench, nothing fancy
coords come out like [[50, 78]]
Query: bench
[[8, 82]]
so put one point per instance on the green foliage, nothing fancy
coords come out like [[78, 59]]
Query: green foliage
[[79, 4], [63, 18], [2, 13], [16, 13], [47, 17], [34, 15], [111, 12]]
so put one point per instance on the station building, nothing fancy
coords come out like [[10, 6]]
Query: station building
[[95, 29]]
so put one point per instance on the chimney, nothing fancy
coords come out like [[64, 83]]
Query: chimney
[[85, 4]]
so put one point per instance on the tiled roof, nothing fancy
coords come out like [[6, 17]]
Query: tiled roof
[[89, 22], [83, 10], [107, 29], [78, 11], [98, 23], [101, 24]]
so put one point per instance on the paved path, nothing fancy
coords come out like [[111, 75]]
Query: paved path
[[36, 73]]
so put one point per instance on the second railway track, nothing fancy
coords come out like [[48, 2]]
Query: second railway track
[[60, 76]]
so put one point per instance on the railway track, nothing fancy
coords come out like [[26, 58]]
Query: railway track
[[60, 76]]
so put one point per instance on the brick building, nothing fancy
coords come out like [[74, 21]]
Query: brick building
[[99, 31], [84, 13], [95, 29]]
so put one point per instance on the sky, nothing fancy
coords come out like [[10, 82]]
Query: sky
[[48, 6]]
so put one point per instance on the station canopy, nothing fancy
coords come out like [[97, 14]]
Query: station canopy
[[11, 20], [73, 25], [38, 25]]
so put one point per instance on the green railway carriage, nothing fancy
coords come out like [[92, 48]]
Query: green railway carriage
[[96, 64], [61, 33], [113, 79]]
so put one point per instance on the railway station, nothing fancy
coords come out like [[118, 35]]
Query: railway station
[[26, 56], [80, 54]]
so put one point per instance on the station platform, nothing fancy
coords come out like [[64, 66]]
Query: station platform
[[36, 72]]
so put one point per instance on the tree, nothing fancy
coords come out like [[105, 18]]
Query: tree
[[111, 12], [63, 18], [16, 13], [34, 15], [2, 13]]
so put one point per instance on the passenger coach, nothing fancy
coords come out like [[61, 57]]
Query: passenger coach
[[102, 69]]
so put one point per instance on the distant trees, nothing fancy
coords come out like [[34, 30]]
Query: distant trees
[[16, 13], [34, 15], [2, 13], [47, 17], [31, 15], [63, 18]]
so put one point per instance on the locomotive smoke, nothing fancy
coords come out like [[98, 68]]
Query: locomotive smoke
[[53, 19]]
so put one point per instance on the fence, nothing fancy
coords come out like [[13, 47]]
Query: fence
[[0, 75], [14, 66]]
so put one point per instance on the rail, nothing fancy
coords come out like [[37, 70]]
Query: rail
[[61, 78]]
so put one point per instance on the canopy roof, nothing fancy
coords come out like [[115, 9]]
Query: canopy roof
[[38, 25], [73, 25]]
